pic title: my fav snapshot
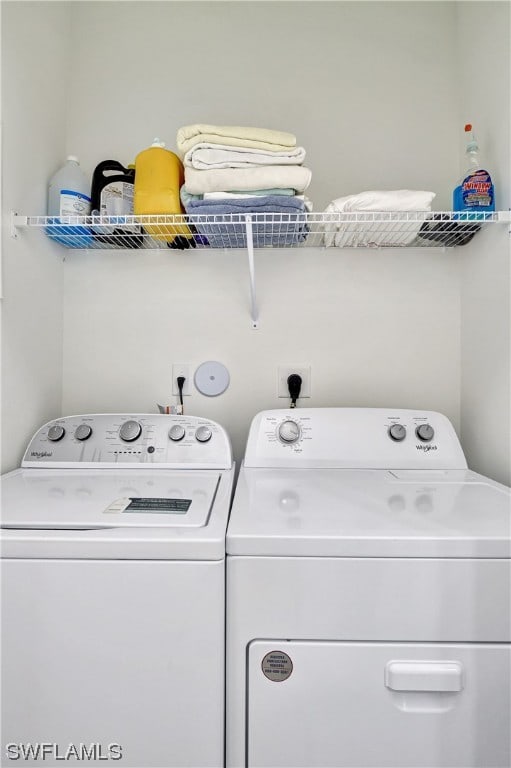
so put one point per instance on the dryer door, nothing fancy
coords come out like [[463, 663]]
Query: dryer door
[[378, 705]]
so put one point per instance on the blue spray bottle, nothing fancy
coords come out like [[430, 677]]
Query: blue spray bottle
[[475, 191]]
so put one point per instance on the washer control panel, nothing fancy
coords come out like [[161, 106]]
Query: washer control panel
[[353, 438], [113, 440]]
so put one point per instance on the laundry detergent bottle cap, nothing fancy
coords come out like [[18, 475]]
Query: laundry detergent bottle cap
[[73, 159], [158, 143]]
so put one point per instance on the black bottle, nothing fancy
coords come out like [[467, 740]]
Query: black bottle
[[112, 195]]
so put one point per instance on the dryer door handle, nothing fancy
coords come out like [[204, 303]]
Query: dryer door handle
[[437, 676]]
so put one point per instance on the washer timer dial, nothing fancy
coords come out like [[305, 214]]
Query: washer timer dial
[[130, 431], [289, 431]]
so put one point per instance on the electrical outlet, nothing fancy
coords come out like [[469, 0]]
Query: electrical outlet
[[284, 371], [181, 369]]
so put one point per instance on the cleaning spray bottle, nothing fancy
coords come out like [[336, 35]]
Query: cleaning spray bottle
[[475, 191]]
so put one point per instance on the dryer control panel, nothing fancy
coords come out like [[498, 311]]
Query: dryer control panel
[[353, 438], [116, 440]]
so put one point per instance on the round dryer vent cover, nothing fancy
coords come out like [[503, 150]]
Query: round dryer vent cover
[[211, 378]]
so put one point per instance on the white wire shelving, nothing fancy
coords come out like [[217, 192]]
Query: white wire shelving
[[251, 231]]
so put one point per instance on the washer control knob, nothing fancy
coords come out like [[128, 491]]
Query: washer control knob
[[397, 432], [425, 432], [83, 432], [289, 431], [56, 433], [203, 434], [130, 430], [177, 432]]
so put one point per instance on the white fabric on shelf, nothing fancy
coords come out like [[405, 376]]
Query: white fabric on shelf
[[367, 233], [205, 156], [240, 136], [245, 179]]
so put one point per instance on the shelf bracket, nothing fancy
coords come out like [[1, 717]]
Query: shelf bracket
[[254, 314], [17, 221]]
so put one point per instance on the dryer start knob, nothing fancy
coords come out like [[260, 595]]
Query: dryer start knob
[[130, 430], [289, 431], [425, 432], [56, 433]]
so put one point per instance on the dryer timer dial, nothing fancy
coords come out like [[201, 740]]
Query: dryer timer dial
[[289, 431]]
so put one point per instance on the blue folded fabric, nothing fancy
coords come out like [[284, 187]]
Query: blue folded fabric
[[223, 221]]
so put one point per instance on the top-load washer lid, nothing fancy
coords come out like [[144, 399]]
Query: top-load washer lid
[[363, 482], [120, 486], [96, 499], [112, 514]]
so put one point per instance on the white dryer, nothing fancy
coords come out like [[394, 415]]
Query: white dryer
[[368, 594], [113, 611]]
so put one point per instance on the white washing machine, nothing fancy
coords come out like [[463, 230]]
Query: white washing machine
[[113, 610], [368, 594]]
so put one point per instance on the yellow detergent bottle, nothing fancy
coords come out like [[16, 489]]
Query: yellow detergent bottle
[[159, 175]]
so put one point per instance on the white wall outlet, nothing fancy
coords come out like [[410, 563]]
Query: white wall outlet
[[283, 371], [182, 369]]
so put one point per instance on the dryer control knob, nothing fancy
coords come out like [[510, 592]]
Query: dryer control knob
[[130, 430], [397, 432], [425, 432], [203, 434], [83, 432], [177, 432], [56, 433], [289, 431]]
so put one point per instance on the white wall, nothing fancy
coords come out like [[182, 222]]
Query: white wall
[[365, 322], [368, 90], [372, 90], [35, 68], [485, 89]]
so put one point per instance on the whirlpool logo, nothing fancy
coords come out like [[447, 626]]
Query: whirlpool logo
[[41, 454], [427, 448]]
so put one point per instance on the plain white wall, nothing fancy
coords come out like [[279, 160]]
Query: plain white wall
[[485, 90], [367, 87], [372, 91], [35, 70], [368, 90]]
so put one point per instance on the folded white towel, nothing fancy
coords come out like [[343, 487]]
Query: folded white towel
[[362, 233], [245, 179], [233, 135], [205, 156]]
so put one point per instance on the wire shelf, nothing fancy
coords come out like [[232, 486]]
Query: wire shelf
[[424, 229]]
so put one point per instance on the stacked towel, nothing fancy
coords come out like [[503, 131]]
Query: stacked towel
[[395, 231], [240, 170]]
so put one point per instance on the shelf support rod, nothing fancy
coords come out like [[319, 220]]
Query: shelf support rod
[[251, 269]]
